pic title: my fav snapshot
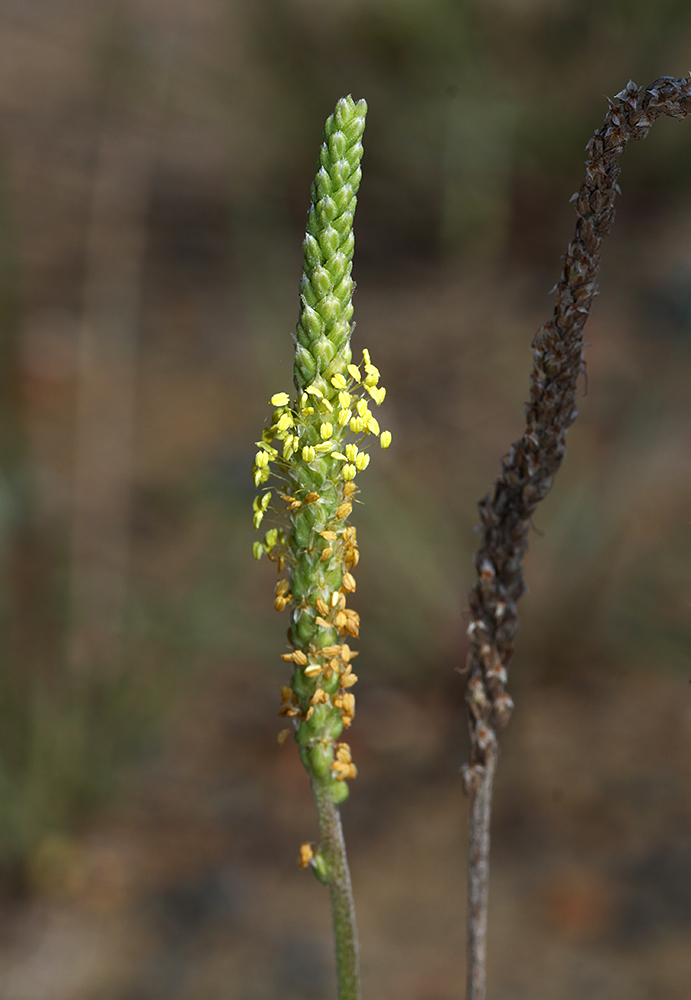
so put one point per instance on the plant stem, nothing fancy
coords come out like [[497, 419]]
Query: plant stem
[[343, 911], [478, 878]]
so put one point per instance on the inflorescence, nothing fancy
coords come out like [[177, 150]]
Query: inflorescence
[[314, 447]]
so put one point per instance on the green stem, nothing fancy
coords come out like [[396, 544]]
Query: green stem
[[343, 911]]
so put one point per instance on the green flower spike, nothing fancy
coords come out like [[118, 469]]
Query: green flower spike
[[316, 446]]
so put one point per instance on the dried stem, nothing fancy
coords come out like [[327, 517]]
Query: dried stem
[[478, 879], [342, 907], [528, 471]]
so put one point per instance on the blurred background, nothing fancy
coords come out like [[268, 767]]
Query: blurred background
[[155, 164]]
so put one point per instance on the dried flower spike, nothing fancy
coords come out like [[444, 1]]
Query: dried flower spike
[[528, 471]]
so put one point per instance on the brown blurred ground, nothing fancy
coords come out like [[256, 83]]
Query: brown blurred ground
[[155, 162]]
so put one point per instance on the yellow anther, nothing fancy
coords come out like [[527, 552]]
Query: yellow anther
[[327, 405], [354, 371], [282, 587], [312, 497], [313, 670], [362, 407], [304, 400], [308, 453], [305, 856], [351, 451], [361, 461], [314, 391], [322, 607], [344, 399], [335, 600], [326, 554], [339, 456], [344, 510], [372, 424], [284, 422], [343, 417], [330, 651], [330, 536], [323, 447], [356, 425], [289, 446], [266, 500], [385, 439], [283, 735], [280, 399], [365, 354], [349, 472], [348, 583], [258, 518], [349, 489], [257, 550], [347, 682], [338, 382], [261, 460], [281, 602], [326, 430]]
